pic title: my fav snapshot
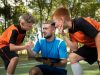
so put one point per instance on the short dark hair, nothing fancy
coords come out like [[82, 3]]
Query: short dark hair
[[51, 22], [28, 18]]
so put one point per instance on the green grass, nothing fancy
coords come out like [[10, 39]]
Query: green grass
[[24, 65]]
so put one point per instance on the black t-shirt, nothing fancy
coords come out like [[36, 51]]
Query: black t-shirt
[[82, 25], [15, 34]]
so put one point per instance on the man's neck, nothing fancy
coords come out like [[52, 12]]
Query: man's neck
[[50, 39]]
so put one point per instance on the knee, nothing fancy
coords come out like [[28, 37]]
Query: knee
[[35, 71], [73, 57], [15, 59], [32, 71]]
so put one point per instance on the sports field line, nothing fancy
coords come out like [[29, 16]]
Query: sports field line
[[26, 64]]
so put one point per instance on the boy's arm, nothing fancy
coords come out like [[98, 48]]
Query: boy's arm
[[72, 45], [97, 40], [14, 47], [12, 42]]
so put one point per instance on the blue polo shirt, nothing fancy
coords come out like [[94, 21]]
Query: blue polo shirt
[[51, 49]]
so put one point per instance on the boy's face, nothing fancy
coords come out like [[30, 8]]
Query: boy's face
[[58, 22], [25, 26]]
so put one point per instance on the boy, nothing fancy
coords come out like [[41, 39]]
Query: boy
[[82, 30], [10, 42]]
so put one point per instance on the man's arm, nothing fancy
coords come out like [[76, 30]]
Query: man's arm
[[34, 50], [61, 63], [63, 54], [31, 53]]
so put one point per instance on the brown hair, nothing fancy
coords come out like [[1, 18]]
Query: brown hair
[[28, 18], [51, 22], [61, 12]]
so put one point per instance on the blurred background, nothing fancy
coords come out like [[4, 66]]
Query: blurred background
[[10, 11]]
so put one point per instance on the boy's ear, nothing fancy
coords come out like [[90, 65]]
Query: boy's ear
[[21, 23], [62, 18]]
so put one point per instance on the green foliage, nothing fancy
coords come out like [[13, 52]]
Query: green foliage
[[84, 9], [43, 10], [17, 12], [88, 0]]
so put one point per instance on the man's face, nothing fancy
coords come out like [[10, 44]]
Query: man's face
[[25, 26], [48, 30]]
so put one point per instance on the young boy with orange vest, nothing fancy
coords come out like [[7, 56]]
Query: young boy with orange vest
[[10, 42], [82, 30]]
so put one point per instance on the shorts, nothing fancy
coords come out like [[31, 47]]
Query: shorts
[[7, 55], [49, 70], [88, 53]]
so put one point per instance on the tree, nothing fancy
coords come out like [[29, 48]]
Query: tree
[[6, 10]]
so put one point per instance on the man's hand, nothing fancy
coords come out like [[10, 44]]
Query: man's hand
[[29, 45], [48, 62]]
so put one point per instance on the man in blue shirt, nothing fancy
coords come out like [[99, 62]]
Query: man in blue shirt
[[53, 52]]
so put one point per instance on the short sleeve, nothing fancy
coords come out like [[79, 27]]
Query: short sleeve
[[37, 47], [13, 37], [63, 50], [86, 28]]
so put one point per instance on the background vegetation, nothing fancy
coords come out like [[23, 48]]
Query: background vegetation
[[42, 10], [10, 11]]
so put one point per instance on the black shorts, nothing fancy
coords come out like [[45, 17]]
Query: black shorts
[[88, 53], [49, 70], [7, 55]]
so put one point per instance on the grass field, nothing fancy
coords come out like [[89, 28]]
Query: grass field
[[24, 65]]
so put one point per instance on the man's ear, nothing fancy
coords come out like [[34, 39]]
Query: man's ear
[[54, 29]]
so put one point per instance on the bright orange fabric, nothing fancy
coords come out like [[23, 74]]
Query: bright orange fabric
[[82, 38], [5, 37]]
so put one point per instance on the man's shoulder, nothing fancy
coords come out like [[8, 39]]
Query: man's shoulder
[[59, 40], [41, 40]]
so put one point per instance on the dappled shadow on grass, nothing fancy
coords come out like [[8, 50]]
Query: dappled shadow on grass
[[25, 65], [87, 69], [90, 69], [23, 70]]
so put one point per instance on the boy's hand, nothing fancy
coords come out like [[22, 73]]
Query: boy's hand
[[61, 30], [29, 45]]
